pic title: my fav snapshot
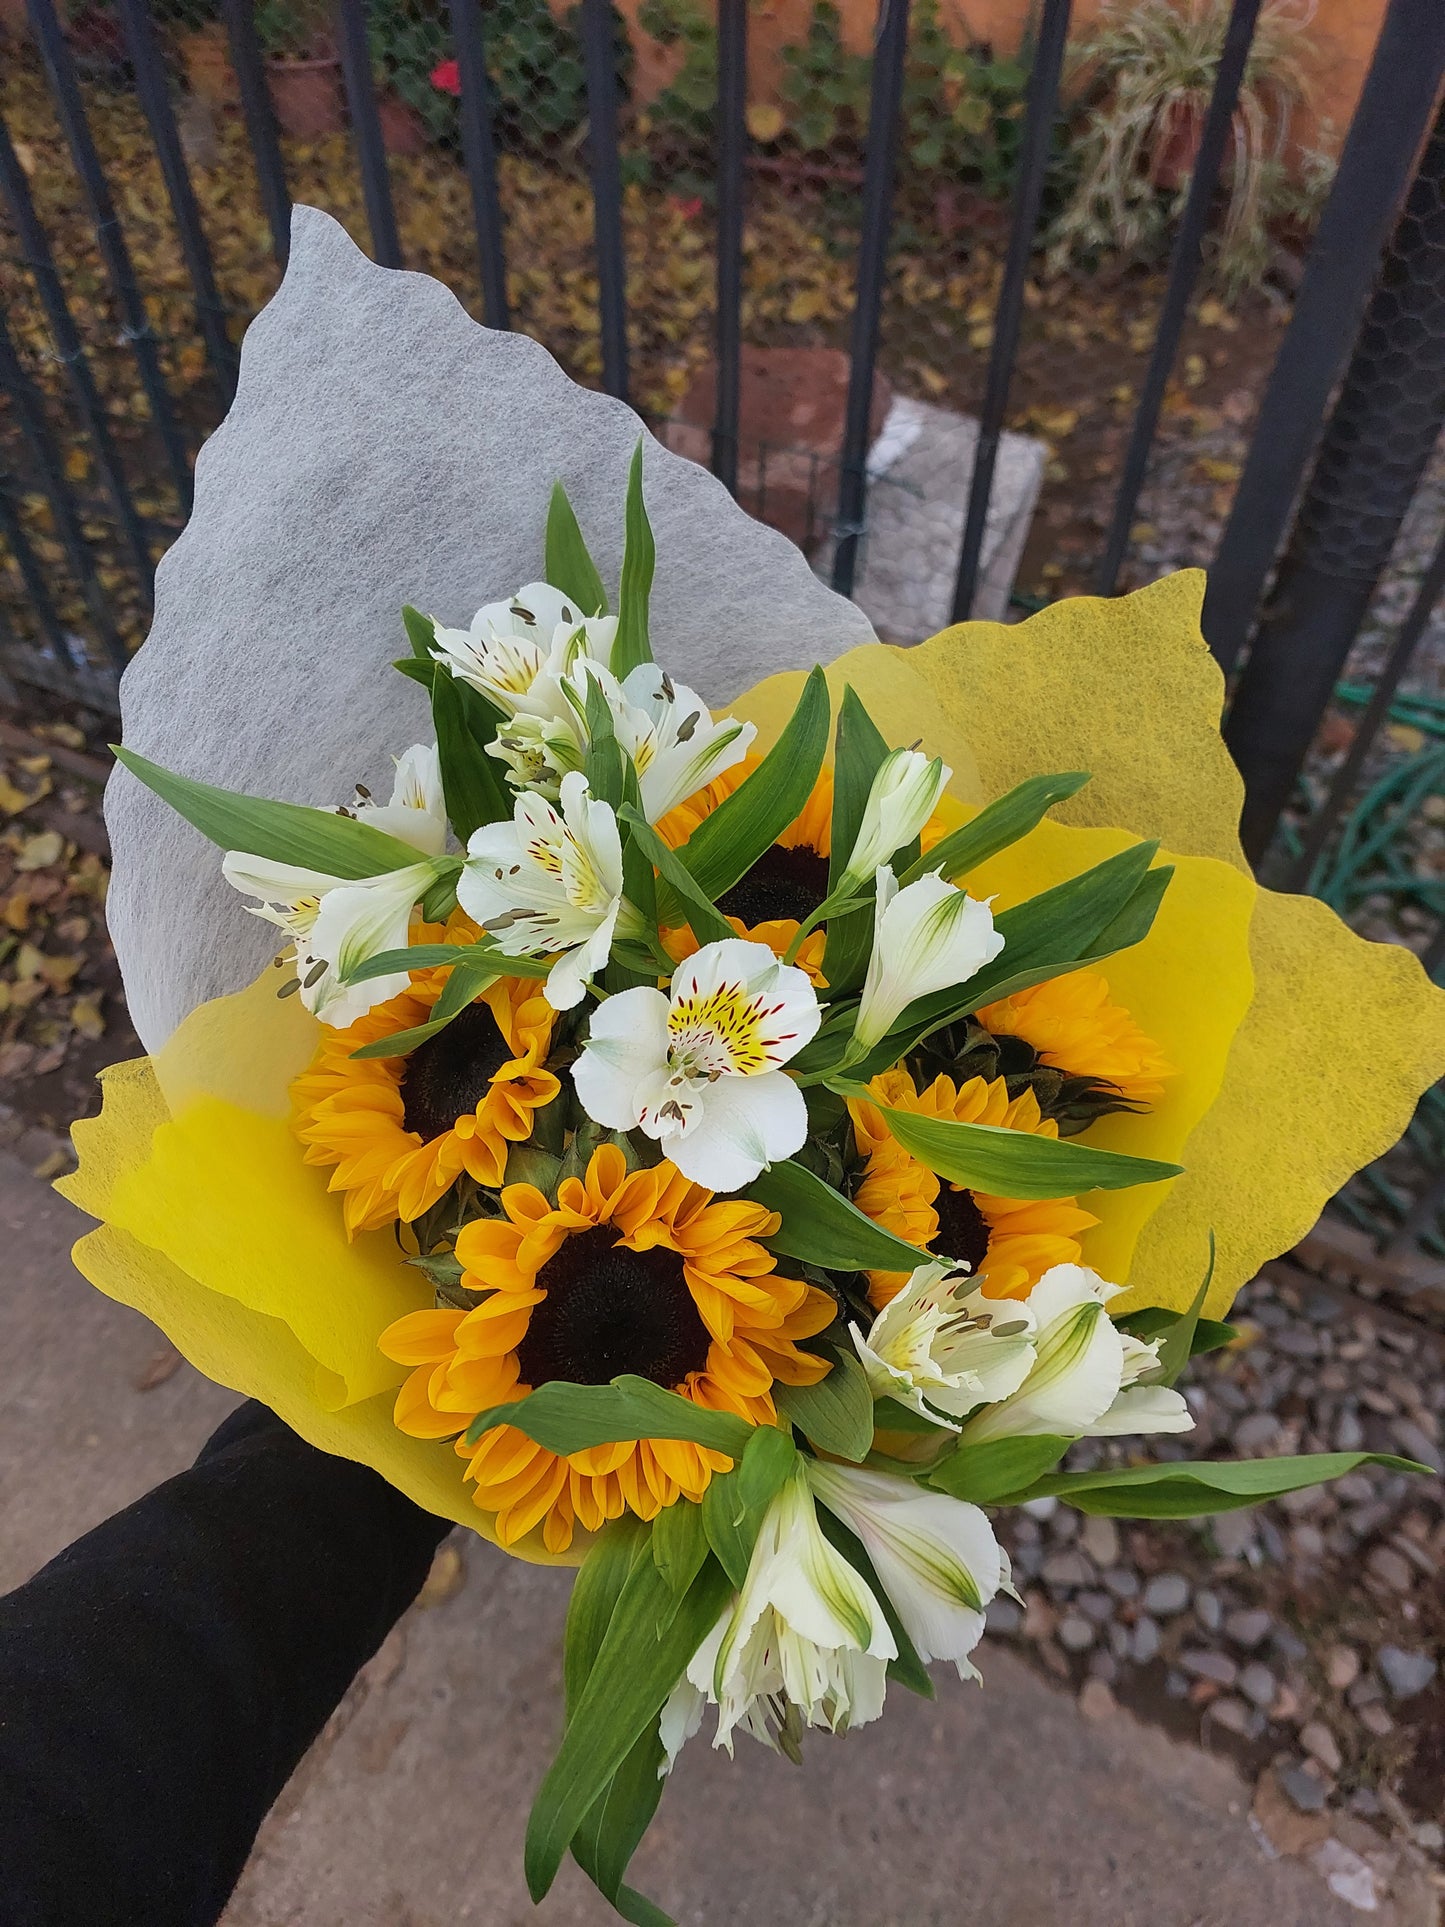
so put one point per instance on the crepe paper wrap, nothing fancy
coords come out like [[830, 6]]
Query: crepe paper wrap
[[1299, 1049], [382, 449]]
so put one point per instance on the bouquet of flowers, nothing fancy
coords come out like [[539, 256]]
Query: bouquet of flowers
[[736, 1155]]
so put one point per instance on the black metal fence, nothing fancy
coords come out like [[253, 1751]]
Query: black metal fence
[[109, 377]]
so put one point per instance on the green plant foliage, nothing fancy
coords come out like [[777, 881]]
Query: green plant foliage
[[1145, 76]]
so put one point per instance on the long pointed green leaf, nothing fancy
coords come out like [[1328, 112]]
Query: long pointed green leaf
[[729, 841], [709, 925], [1176, 1343], [1190, 1490], [632, 645], [735, 1502], [615, 1823], [637, 1666], [821, 1225], [993, 1472], [859, 749], [311, 839], [1004, 821], [569, 565], [470, 976], [437, 956], [1016, 1164], [472, 781], [573, 1418], [421, 633]]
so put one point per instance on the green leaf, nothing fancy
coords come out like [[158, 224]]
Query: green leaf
[[890, 1416], [595, 1594], [1004, 821], [679, 1544], [603, 761], [821, 1225], [858, 751], [441, 898], [1016, 1164], [631, 645], [421, 633], [568, 565], [836, 1414], [1176, 1343], [997, 1470], [417, 670], [433, 956], [709, 925], [572, 1418], [614, 1825], [1188, 1491], [734, 1503], [312, 839], [475, 790], [908, 1669], [1210, 1334], [729, 841], [636, 1667]]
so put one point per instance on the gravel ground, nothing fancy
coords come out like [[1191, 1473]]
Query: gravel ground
[[1305, 1637]]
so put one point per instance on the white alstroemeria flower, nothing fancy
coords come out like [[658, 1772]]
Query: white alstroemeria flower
[[668, 731], [939, 1342], [928, 936], [935, 1557], [549, 884], [417, 812], [904, 795], [335, 923], [516, 652], [805, 1633], [699, 1069], [1084, 1379]]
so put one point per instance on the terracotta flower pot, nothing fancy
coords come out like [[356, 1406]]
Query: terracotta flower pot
[[307, 96], [1177, 149], [206, 58], [402, 131]]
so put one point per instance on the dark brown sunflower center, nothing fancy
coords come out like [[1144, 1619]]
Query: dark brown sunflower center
[[782, 883], [611, 1310], [447, 1076], [962, 1227]]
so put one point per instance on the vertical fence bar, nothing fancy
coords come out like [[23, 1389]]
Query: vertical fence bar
[[890, 57], [479, 150], [35, 250], [154, 91], [366, 132], [240, 18], [1184, 264], [110, 240], [732, 106], [32, 574], [1325, 818], [1374, 451], [1380, 149], [16, 384], [606, 191], [1042, 104]]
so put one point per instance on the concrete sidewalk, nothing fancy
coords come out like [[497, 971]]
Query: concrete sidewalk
[[1000, 1808]]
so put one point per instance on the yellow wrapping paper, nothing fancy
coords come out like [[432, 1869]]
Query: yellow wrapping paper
[[1300, 1050]]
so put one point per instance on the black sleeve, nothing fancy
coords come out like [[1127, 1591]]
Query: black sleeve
[[161, 1679]]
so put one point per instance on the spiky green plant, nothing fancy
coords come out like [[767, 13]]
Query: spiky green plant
[[1144, 77]]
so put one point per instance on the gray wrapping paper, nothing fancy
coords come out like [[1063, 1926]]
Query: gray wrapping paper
[[383, 449]]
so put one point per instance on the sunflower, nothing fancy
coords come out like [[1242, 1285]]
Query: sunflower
[[637, 1272], [1074, 1025], [401, 1130], [1009, 1243]]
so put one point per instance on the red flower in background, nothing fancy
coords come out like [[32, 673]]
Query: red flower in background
[[446, 77]]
